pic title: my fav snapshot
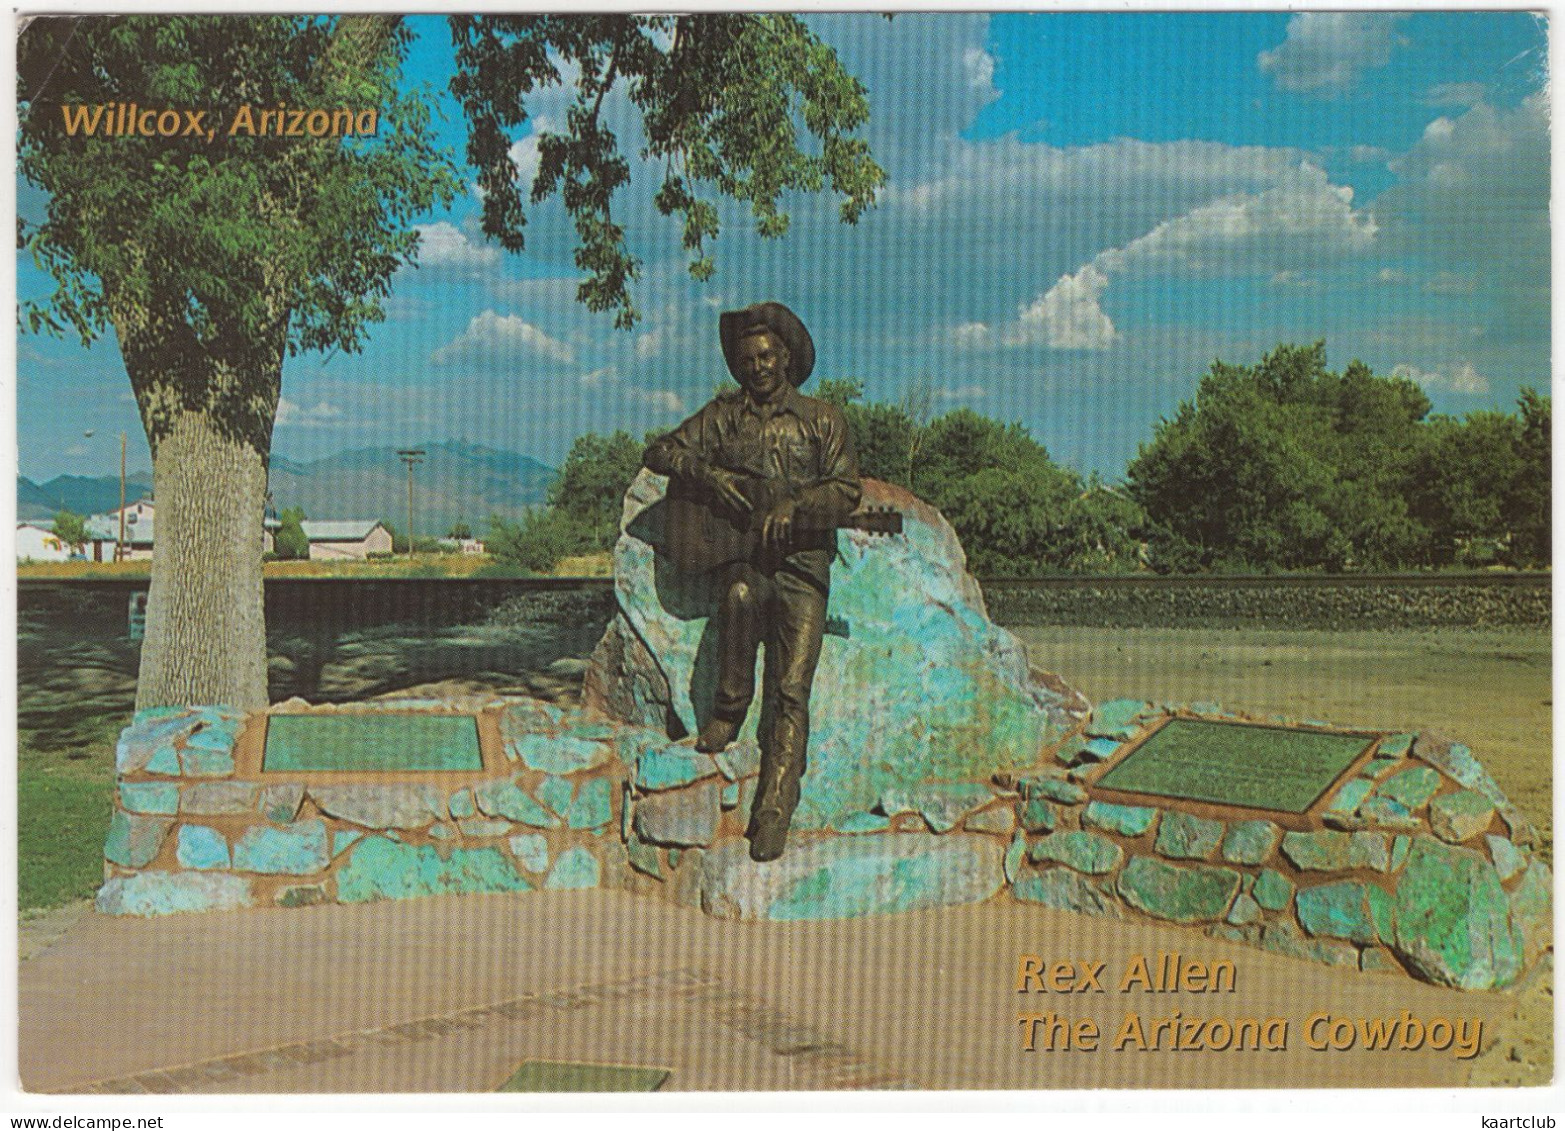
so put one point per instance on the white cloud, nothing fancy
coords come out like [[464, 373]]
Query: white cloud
[[1455, 94], [1457, 377], [1393, 276], [968, 392], [1067, 316], [1294, 279], [291, 414], [496, 334], [1324, 52], [1451, 283], [598, 378], [1292, 224], [665, 399], [650, 344], [1370, 154], [979, 65], [444, 246]]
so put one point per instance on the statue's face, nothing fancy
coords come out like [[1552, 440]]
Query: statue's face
[[762, 361]]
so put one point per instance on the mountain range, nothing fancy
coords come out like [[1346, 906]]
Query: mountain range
[[453, 481]]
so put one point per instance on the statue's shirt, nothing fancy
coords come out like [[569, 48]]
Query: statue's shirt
[[797, 442]]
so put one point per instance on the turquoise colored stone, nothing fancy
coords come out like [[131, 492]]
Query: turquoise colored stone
[[1399, 850], [730, 797], [556, 793], [1126, 820], [1410, 789], [1272, 890], [644, 858], [1087, 852], [1179, 893], [1453, 919], [942, 805], [1000, 820], [382, 805], [593, 732], [134, 840], [168, 893], [669, 767], [532, 850], [575, 868], [1394, 746], [1389, 814], [1350, 796], [560, 754], [381, 868], [151, 738], [686, 817], [524, 716], [202, 848], [863, 823], [1038, 816], [1382, 908], [1325, 851], [1369, 850], [1015, 855], [446, 832], [1508, 859], [1284, 938], [280, 803], [461, 804], [741, 760], [478, 827], [1055, 789], [209, 752], [593, 807], [1071, 752], [1244, 911], [1251, 842], [1378, 767], [1184, 836], [1064, 890], [295, 851], [845, 877], [342, 839], [1100, 749], [1459, 816], [504, 799], [1338, 911], [1532, 911], [150, 797], [1116, 718]]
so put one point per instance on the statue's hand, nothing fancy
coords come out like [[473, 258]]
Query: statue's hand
[[724, 486], [777, 529]]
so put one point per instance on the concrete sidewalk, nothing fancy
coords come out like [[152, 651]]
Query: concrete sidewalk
[[453, 994]]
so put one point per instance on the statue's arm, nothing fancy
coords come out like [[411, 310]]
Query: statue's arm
[[828, 502], [681, 454]]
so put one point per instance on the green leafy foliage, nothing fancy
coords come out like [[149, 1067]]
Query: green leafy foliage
[[290, 543], [1285, 465], [71, 528], [721, 98], [583, 514]]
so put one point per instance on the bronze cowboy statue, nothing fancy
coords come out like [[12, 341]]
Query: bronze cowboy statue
[[759, 481]]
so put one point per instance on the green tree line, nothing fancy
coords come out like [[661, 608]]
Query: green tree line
[[1282, 465]]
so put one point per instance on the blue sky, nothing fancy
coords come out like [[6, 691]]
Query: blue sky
[[1084, 210]]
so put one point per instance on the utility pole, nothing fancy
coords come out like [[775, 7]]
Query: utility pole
[[410, 456], [119, 547]]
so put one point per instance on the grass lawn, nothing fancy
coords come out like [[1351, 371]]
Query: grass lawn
[[1489, 688], [62, 801]]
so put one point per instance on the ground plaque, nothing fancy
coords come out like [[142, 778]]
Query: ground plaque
[[1282, 769], [557, 1076], [296, 743]]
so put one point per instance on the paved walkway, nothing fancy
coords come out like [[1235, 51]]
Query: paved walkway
[[453, 994]]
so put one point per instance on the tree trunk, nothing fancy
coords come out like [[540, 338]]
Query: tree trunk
[[206, 625]]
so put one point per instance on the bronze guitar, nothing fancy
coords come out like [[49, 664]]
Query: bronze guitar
[[701, 534]]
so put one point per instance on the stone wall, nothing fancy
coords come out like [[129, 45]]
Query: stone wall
[[190, 831]]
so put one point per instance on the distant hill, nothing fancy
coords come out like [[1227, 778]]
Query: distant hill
[[454, 481], [76, 493]]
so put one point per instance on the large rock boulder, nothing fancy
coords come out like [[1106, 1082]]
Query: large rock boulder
[[914, 685]]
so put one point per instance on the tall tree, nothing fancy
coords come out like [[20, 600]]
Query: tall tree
[[214, 255]]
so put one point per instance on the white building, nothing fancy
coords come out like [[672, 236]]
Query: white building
[[354, 538], [36, 542]]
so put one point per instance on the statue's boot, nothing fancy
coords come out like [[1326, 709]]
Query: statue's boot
[[776, 797], [718, 734]]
